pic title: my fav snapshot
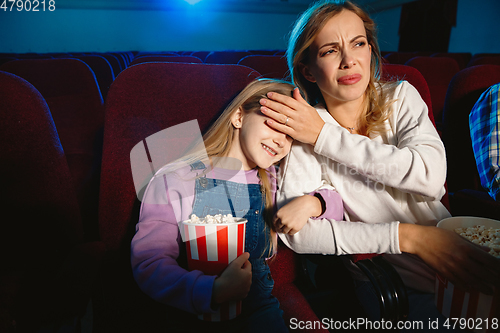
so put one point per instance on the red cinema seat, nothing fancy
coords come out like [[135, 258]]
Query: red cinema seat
[[102, 70], [462, 58], [399, 58], [166, 58], [70, 88], [269, 66], [225, 57], [438, 72], [48, 272], [113, 61], [484, 60]]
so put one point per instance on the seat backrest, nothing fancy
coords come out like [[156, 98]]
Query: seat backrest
[[71, 91], [166, 58], [399, 58], [484, 60], [3, 60], [393, 72], [463, 92], [462, 58], [70, 88], [200, 54], [263, 52], [270, 66], [41, 218], [113, 61], [121, 59], [438, 72], [225, 57], [102, 70]]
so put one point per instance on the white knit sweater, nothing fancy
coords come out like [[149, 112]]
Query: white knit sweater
[[396, 177]]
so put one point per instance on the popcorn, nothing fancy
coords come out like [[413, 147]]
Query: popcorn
[[481, 235], [211, 219]]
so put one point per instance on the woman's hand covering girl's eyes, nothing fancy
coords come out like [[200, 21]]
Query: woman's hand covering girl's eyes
[[292, 116]]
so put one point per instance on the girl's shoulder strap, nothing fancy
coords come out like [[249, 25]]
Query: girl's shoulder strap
[[198, 165]]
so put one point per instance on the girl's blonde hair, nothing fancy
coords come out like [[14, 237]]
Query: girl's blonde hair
[[218, 139], [307, 27]]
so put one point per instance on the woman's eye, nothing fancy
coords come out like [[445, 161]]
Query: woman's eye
[[360, 43], [328, 52]]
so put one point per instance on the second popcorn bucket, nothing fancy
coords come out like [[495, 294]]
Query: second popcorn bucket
[[210, 247], [472, 310]]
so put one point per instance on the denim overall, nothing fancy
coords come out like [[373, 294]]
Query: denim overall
[[246, 201]]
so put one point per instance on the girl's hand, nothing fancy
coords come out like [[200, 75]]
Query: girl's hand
[[464, 263], [292, 116], [234, 282], [292, 217]]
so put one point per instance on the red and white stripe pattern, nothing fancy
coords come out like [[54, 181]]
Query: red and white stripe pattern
[[210, 248], [457, 303]]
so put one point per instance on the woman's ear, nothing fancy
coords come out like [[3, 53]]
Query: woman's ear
[[237, 118], [304, 70]]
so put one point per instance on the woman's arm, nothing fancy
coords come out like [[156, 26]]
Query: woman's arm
[[414, 163], [327, 236]]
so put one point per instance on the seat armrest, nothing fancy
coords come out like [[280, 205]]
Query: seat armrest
[[388, 286]]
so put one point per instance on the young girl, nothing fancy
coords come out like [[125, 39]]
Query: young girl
[[236, 165], [374, 143]]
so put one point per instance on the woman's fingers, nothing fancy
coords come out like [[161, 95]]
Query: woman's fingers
[[291, 102], [278, 116], [276, 110], [281, 127]]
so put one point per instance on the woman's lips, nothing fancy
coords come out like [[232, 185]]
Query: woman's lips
[[349, 79]]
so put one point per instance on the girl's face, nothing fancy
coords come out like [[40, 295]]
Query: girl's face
[[339, 59], [255, 143]]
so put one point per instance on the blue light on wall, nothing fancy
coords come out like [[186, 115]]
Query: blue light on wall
[[192, 2]]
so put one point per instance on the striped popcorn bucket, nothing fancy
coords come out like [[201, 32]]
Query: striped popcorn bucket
[[477, 311], [480, 310], [210, 248]]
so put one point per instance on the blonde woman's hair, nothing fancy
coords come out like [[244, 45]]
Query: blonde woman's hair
[[306, 29], [218, 139]]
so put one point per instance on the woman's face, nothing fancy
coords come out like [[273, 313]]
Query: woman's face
[[257, 143], [339, 59]]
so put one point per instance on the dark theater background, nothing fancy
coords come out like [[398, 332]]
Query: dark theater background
[[83, 82]]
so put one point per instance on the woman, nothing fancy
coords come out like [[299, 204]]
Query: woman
[[374, 144]]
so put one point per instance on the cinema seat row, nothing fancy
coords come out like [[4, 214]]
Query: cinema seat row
[[66, 153]]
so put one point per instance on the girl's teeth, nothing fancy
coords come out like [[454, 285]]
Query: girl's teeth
[[269, 149]]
